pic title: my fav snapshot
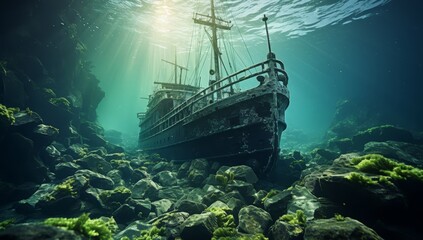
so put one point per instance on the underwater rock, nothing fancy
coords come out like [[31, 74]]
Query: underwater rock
[[323, 156], [373, 198], [94, 163], [139, 174], [172, 223], [19, 164], [212, 196], [198, 171], [173, 193], [160, 166], [277, 205], [36, 231], [66, 169], [142, 206], [199, 226], [190, 206], [245, 189], [243, 173], [11, 192], [95, 179], [28, 205], [93, 196], [92, 132], [304, 200], [350, 118], [77, 150], [101, 151], [56, 206], [14, 93], [253, 220], [124, 214], [112, 156], [26, 120], [112, 148], [183, 169], [145, 188], [162, 206], [284, 231], [166, 178], [259, 198], [116, 196], [124, 167], [407, 153], [133, 230], [332, 229], [116, 176], [382, 134], [343, 145], [287, 170], [43, 135]]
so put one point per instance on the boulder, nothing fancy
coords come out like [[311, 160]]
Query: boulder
[[284, 231], [94, 179], [190, 206], [145, 188], [142, 206], [66, 169], [162, 206], [26, 121], [407, 153], [124, 167], [277, 205], [124, 214], [166, 178], [28, 205], [12, 192], [94, 163], [198, 171], [19, 163], [243, 173], [254, 220], [43, 135], [382, 134], [172, 223], [245, 189], [36, 231], [332, 229], [199, 226], [133, 230], [173, 193]]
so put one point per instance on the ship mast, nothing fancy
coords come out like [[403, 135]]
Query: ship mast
[[176, 66], [214, 23]]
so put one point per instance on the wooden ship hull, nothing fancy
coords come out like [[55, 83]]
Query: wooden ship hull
[[220, 122]]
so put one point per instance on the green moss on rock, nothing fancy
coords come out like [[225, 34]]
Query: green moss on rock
[[96, 229], [6, 115], [378, 164], [60, 102], [360, 179]]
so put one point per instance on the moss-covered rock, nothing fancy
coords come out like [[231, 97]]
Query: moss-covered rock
[[381, 134], [254, 220], [199, 226], [328, 229], [100, 229]]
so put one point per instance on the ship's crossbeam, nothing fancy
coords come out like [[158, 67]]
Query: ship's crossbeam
[[208, 21]]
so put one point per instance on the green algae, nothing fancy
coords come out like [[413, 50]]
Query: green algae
[[96, 229]]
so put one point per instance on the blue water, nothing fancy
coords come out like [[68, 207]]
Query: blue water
[[369, 52]]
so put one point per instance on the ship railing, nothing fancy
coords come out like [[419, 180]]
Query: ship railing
[[206, 96]]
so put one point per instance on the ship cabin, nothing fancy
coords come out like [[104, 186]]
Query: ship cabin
[[167, 97]]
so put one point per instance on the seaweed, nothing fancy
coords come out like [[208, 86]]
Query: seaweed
[[97, 229]]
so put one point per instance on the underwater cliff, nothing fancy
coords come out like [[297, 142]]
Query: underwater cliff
[[64, 176]]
